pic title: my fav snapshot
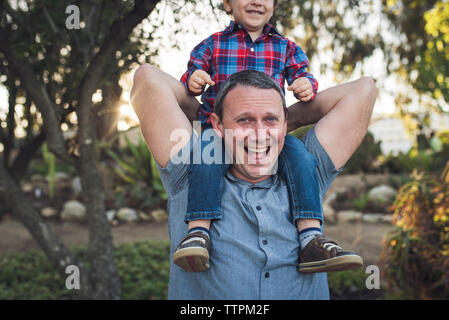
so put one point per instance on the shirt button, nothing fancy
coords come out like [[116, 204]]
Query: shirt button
[[267, 274], [265, 242], [259, 208], [252, 49]]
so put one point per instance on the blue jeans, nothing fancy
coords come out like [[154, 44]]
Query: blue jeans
[[295, 164]]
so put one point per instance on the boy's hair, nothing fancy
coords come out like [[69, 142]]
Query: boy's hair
[[221, 6], [249, 78]]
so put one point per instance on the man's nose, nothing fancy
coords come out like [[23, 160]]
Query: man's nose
[[257, 2], [260, 130]]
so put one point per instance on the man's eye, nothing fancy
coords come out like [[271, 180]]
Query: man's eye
[[272, 119], [242, 120]]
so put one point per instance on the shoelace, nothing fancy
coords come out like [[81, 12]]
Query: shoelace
[[194, 239], [328, 246]]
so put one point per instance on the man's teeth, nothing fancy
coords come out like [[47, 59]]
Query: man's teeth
[[258, 150]]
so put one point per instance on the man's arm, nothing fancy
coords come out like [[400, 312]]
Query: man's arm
[[157, 98], [344, 126]]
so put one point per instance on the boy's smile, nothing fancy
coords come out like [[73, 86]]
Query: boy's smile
[[251, 14]]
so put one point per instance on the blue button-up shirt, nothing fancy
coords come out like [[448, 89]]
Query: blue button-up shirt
[[255, 245]]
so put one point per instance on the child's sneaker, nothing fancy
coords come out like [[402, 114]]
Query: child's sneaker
[[324, 255], [192, 254]]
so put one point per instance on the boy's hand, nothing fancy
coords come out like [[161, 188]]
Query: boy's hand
[[302, 88], [198, 80]]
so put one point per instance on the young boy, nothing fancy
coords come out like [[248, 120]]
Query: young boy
[[250, 43]]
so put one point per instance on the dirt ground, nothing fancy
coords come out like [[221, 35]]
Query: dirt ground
[[366, 239]]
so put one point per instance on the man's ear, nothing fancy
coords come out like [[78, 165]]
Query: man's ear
[[217, 125]]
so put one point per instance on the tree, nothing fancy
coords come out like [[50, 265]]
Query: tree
[[54, 72], [424, 50]]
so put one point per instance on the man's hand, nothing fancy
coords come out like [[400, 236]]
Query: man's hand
[[198, 80], [302, 88]]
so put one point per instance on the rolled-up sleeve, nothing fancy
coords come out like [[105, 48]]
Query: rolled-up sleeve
[[326, 170]]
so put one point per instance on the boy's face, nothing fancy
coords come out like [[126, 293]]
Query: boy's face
[[251, 14]]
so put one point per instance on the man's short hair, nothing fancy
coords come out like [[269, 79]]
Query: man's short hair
[[249, 78]]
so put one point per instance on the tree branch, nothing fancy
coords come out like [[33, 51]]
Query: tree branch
[[25, 155], [37, 92]]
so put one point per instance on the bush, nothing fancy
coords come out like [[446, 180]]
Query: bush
[[144, 272], [365, 157], [416, 256], [143, 268], [343, 284]]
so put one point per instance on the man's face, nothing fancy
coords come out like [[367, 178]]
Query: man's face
[[253, 127], [252, 14]]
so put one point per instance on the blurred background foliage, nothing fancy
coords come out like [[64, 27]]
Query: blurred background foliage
[[413, 39]]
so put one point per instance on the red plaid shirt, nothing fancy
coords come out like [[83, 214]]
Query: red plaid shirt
[[232, 50]]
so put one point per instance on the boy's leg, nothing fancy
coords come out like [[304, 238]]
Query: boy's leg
[[204, 202], [317, 253]]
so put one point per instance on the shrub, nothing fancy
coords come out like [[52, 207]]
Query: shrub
[[144, 272], [365, 157], [143, 268], [416, 256], [342, 284]]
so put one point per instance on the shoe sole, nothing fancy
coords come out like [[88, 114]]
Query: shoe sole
[[192, 259], [342, 263]]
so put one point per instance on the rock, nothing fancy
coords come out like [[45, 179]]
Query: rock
[[35, 178], [329, 214], [37, 192], [159, 215], [110, 214], [27, 187], [76, 185], [48, 212], [387, 218], [144, 217], [372, 217], [61, 176], [127, 215], [330, 198], [349, 216], [73, 211], [382, 194]]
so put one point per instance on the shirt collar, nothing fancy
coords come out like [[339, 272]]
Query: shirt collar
[[265, 184], [268, 29]]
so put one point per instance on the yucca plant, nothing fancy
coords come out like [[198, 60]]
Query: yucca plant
[[135, 165], [416, 255]]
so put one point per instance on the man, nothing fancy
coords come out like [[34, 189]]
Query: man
[[255, 255]]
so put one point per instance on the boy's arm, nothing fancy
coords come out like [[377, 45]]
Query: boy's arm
[[302, 113], [296, 67], [200, 59]]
